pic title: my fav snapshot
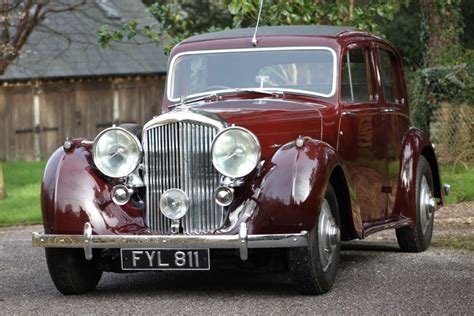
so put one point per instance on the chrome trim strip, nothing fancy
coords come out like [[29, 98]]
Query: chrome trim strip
[[186, 115], [170, 85], [242, 241]]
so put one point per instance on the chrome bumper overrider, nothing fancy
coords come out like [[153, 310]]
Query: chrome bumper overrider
[[242, 241]]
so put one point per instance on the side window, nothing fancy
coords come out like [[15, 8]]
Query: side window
[[356, 81], [390, 80]]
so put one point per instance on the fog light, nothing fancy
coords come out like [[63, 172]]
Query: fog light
[[224, 195], [121, 194], [174, 204]]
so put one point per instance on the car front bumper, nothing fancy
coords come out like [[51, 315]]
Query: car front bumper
[[242, 241]]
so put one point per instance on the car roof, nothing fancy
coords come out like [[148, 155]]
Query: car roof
[[287, 30]]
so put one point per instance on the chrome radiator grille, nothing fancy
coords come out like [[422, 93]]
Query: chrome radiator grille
[[177, 155]]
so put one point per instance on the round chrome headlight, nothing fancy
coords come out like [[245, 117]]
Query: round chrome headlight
[[174, 204], [116, 152], [235, 152]]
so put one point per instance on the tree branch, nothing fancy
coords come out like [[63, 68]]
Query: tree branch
[[6, 26], [66, 8], [9, 8]]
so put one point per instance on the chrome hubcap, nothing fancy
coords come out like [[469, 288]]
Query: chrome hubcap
[[329, 235], [427, 204]]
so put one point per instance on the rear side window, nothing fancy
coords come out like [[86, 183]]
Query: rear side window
[[390, 80], [356, 82]]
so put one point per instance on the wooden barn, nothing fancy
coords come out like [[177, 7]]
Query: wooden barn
[[64, 85]]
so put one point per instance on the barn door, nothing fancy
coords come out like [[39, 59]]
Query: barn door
[[55, 114]]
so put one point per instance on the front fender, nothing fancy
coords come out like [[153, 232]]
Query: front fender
[[73, 193], [291, 187], [415, 144]]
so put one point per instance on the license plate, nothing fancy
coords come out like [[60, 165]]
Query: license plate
[[165, 259]]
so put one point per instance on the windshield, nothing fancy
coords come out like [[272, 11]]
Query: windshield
[[308, 70]]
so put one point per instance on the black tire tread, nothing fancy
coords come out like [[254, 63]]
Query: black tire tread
[[71, 272], [305, 277], [411, 239]]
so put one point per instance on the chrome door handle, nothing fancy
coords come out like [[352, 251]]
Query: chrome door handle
[[348, 114], [388, 110]]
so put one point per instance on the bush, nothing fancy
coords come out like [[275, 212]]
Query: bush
[[429, 87]]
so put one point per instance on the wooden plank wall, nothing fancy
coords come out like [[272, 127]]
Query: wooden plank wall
[[35, 118]]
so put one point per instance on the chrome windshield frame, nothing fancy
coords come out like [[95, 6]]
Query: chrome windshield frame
[[171, 69]]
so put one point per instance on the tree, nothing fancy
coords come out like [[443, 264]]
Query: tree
[[18, 20], [175, 20], [441, 30]]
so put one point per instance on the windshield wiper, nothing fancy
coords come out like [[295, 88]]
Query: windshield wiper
[[257, 90], [189, 100], [216, 95]]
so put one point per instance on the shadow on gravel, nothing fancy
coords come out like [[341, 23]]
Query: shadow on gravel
[[205, 284], [230, 281], [370, 246]]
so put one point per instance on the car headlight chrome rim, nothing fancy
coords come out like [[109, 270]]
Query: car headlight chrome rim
[[235, 152], [174, 204], [116, 152]]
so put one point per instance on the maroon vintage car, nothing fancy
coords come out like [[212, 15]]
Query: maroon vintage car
[[273, 149]]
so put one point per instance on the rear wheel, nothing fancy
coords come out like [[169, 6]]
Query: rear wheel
[[71, 272], [314, 267], [418, 237]]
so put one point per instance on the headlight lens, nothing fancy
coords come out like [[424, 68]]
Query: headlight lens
[[174, 204], [235, 152], [116, 152]]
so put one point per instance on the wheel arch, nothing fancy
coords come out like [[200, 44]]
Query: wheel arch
[[415, 145], [430, 156]]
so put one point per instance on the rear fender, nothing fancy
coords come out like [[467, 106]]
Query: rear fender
[[415, 144], [73, 193]]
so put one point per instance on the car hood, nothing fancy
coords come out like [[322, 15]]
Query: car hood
[[274, 121]]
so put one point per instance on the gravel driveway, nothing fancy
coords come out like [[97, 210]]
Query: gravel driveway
[[373, 277]]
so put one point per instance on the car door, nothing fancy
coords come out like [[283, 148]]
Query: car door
[[395, 116], [360, 140]]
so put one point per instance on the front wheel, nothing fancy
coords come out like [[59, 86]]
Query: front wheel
[[71, 272], [418, 237], [314, 267]]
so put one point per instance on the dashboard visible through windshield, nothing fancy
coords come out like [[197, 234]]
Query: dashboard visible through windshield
[[306, 70]]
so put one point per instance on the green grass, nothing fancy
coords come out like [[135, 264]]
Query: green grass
[[22, 188], [461, 180], [457, 242]]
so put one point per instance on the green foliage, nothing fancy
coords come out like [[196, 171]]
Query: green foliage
[[174, 23], [22, 186], [281, 12], [405, 33], [453, 83], [441, 28], [181, 19], [461, 180], [467, 12], [448, 73]]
